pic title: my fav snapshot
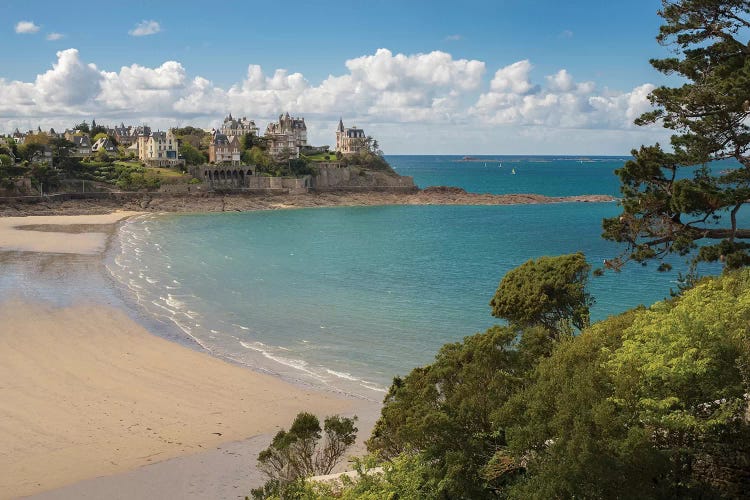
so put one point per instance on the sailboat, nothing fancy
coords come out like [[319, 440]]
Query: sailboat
[[513, 171], [500, 165]]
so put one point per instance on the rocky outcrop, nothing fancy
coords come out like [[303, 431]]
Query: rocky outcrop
[[220, 202]]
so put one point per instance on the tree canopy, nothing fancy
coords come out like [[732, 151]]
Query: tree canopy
[[672, 199], [549, 291], [652, 403], [298, 452]]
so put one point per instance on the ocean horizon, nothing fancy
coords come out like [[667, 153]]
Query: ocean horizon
[[346, 298]]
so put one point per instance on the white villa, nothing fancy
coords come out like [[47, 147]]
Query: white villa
[[158, 149]]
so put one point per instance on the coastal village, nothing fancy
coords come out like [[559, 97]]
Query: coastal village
[[234, 156]]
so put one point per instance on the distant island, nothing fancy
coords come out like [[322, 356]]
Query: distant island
[[474, 159]]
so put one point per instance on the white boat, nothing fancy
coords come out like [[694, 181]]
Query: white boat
[[513, 171]]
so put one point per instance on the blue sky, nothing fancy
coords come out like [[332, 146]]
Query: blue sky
[[606, 44]]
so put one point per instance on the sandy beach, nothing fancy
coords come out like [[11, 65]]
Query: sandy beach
[[59, 233], [88, 392]]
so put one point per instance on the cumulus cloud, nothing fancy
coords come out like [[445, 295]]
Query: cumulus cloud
[[428, 91], [55, 36], [66, 88], [26, 28], [145, 27], [513, 99]]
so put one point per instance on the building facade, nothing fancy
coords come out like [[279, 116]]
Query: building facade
[[350, 140], [81, 145], [286, 136], [238, 127], [224, 149], [158, 149]]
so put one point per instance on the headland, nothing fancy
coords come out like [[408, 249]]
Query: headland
[[101, 203]]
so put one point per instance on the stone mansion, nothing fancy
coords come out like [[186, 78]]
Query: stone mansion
[[350, 140]]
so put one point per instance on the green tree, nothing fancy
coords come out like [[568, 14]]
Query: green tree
[[259, 157], [38, 138], [298, 453], [192, 155], [102, 155], [443, 411], [97, 130], [672, 199], [647, 404], [248, 141], [5, 160], [549, 291], [83, 127], [27, 151], [44, 177]]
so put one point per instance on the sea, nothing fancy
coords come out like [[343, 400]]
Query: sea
[[347, 298]]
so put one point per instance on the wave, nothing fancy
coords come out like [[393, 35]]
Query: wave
[[153, 290]]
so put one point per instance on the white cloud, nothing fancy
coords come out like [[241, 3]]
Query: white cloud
[[563, 103], [406, 98], [55, 36], [26, 28], [453, 38], [566, 34], [145, 27]]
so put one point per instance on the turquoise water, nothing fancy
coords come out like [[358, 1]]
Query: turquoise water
[[547, 175], [350, 297]]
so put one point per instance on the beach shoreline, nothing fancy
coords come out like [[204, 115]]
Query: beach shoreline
[[91, 396]]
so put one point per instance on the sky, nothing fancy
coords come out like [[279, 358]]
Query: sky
[[422, 77]]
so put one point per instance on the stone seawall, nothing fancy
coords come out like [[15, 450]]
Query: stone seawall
[[335, 177]]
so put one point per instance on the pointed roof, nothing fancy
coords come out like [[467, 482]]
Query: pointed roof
[[341, 125]]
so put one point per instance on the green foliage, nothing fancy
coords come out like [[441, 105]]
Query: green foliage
[[26, 151], [38, 138], [247, 141], [549, 291], [297, 453], [647, 404], [664, 212], [192, 155], [637, 403], [368, 160], [407, 477], [258, 156], [83, 127], [5, 160], [568, 433], [44, 176], [444, 411]]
